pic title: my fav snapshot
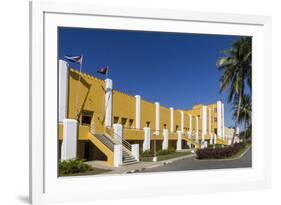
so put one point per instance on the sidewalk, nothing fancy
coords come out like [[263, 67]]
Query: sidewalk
[[133, 168]]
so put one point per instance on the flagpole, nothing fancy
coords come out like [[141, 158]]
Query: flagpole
[[78, 86], [106, 74]]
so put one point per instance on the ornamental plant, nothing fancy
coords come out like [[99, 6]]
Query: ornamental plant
[[219, 153], [73, 166]]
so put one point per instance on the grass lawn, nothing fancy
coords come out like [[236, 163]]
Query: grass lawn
[[166, 156], [94, 171]]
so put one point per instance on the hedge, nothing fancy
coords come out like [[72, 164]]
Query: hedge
[[219, 153]]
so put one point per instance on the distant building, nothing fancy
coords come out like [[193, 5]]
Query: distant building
[[113, 126], [228, 134]]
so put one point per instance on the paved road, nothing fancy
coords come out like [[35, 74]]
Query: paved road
[[193, 164]]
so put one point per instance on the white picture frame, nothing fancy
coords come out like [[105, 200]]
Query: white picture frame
[[46, 187]]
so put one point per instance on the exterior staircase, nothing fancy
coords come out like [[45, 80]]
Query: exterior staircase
[[109, 142], [106, 141], [128, 158], [192, 141]]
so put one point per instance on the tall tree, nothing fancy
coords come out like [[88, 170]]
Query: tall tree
[[245, 116], [236, 68]]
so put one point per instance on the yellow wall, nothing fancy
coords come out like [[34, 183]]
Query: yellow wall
[[186, 121], [124, 106], [148, 113], [213, 108], [164, 117], [177, 119], [91, 98]]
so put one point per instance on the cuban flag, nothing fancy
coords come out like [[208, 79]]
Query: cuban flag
[[75, 59], [103, 70]]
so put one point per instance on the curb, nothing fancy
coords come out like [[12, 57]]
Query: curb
[[239, 157], [165, 162]]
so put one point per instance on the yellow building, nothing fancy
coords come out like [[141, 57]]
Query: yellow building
[[97, 122]]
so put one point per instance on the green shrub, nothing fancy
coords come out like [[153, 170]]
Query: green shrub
[[167, 151], [73, 166], [146, 153]]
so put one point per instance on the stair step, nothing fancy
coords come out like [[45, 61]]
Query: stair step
[[128, 163], [127, 158]]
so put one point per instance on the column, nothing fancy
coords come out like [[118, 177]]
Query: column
[[190, 125], [157, 117], [211, 139], [135, 151], [165, 139], [179, 141], [117, 153], [63, 90], [171, 119], [108, 102], [210, 121], [182, 121], [219, 118], [69, 142], [118, 132], [146, 141], [138, 111], [237, 131], [215, 138], [196, 130], [204, 122]]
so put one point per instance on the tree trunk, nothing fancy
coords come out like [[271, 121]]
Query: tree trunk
[[245, 133], [237, 117]]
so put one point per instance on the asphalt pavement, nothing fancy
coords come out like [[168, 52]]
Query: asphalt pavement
[[194, 164]]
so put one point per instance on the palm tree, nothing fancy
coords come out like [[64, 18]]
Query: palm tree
[[245, 116], [236, 66]]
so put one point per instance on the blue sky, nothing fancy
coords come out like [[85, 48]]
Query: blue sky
[[177, 70]]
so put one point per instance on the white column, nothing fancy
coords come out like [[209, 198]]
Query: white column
[[108, 102], [211, 139], [63, 90], [171, 119], [210, 121], [205, 144], [219, 119], [157, 117], [237, 131], [222, 120], [118, 131], [146, 142], [138, 111], [215, 138], [117, 153], [182, 121], [165, 139], [69, 142], [196, 130], [204, 122], [135, 151], [190, 125], [179, 141]]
